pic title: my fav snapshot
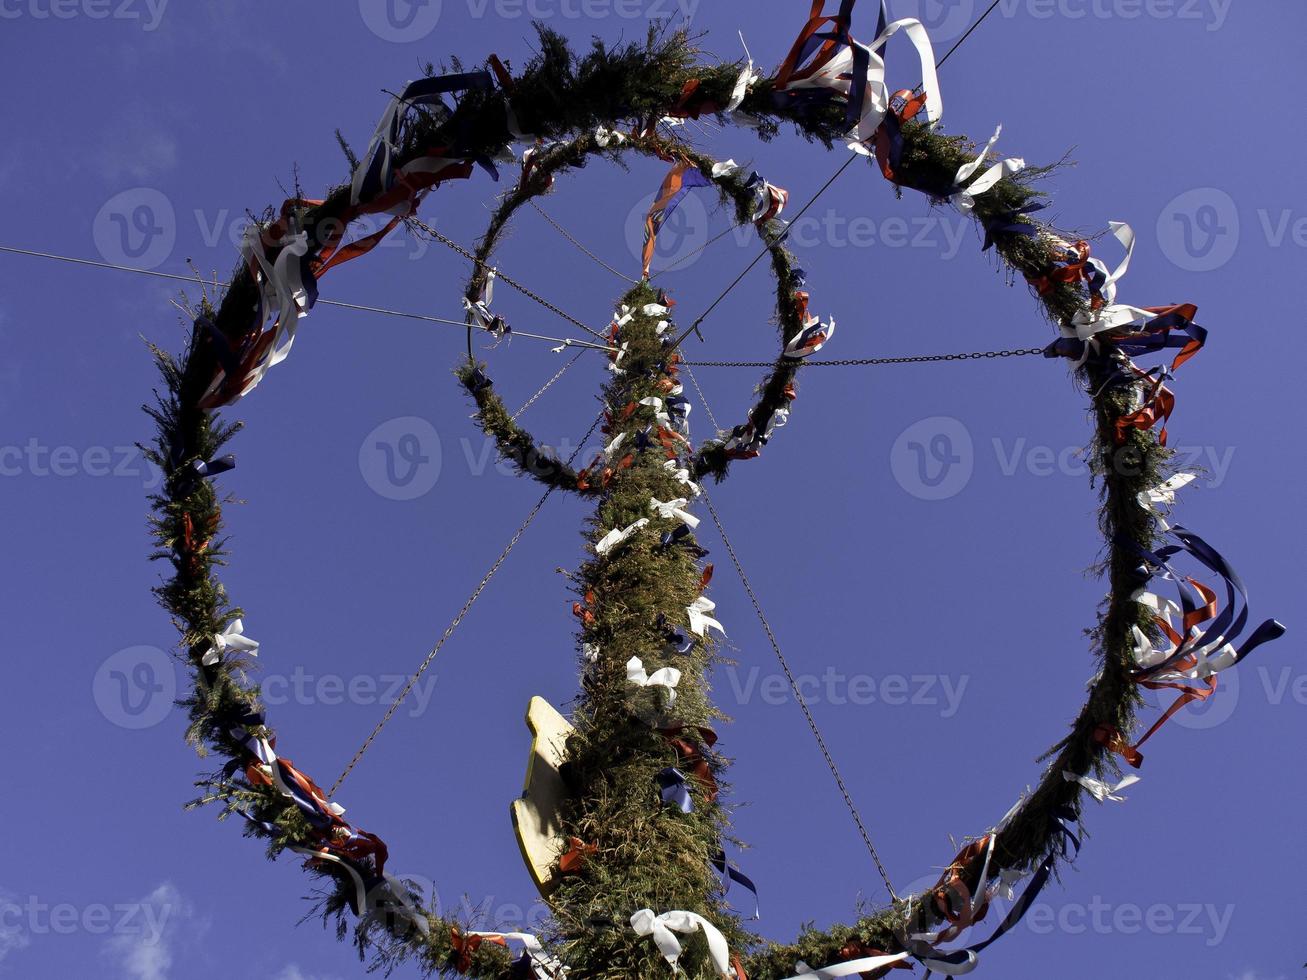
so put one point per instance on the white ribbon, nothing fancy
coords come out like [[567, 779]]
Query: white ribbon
[[663, 928], [1163, 495], [621, 353], [837, 75], [682, 476], [724, 167], [656, 403], [610, 450], [846, 969], [795, 348], [367, 903], [674, 510], [232, 638], [965, 196], [606, 136], [767, 195], [665, 677], [590, 651], [1087, 324], [615, 537], [700, 621], [1100, 790], [267, 755], [1163, 608]]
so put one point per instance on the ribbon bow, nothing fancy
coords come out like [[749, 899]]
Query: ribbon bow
[[964, 196], [674, 510], [700, 621], [1100, 790], [665, 677], [615, 537], [664, 927], [231, 638]]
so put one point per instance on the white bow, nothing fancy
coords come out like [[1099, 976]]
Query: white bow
[[682, 476], [663, 928], [674, 510], [1100, 790], [699, 618], [615, 537], [231, 638], [660, 413], [965, 197], [666, 677]]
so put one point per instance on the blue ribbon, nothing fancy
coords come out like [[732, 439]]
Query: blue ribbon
[[1007, 223], [379, 167], [213, 467], [731, 873], [672, 789]]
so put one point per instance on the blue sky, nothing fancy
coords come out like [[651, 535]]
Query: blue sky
[[940, 639]]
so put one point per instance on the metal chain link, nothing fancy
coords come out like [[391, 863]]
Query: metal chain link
[[501, 277], [585, 251], [865, 361], [546, 386], [449, 630], [798, 696]]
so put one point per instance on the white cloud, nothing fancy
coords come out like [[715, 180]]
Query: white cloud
[[1251, 974], [145, 942], [133, 145], [12, 935], [293, 972]]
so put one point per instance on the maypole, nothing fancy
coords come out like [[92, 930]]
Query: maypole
[[633, 834]]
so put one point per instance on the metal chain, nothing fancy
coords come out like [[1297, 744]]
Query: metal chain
[[798, 696], [501, 277], [546, 386], [585, 251], [785, 664], [449, 631], [865, 361]]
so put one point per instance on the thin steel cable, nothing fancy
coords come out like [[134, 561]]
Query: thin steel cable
[[868, 361], [694, 327], [545, 387], [581, 248], [689, 255], [500, 276], [449, 630], [565, 341]]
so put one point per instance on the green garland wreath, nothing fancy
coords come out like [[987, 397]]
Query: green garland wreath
[[558, 95]]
